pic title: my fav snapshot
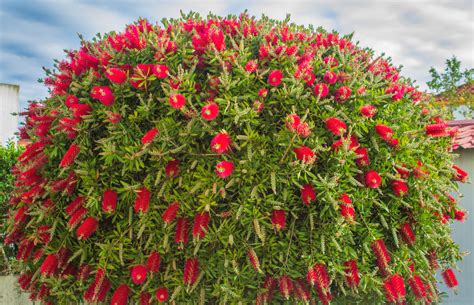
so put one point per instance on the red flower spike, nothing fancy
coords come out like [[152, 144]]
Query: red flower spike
[[301, 290], [381, 253], [145, 298], [278, 219], [407, 234], [362, 156], [50, 265], [160, 71], [109, 201], [274, 78], [460, 174], [104, 289], [162, 294], [120, 295], [342, 94], [210, 111], [142, 202], [449, 278], [177, 101], [372, 179], [116, 76], [399, 188], [139, 274], [104, 94], [71, 100], [70, 155], [303, 130], [181, 235], [251, 66], [459, 215], [201, 223], [305, 154], [347, 209], [253, 258], [263, 92], [336, 126], [153, 262], [417, 287], [292, 122], [87, 228], [384, 131], [191, 271], [170, 213], [224, 169], [172, 168], [149, 136], [74, 205], [78, 215], [321, 90], [308, 194], [221, 143], [330, 77], [286, 286], [352, 273], [368, 110]]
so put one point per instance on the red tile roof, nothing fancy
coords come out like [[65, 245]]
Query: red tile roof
[[465, 134]]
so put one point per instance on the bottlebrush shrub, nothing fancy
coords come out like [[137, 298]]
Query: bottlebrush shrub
[[232, 160]]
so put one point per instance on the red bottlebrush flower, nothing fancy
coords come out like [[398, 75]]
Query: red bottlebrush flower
[[286, 286], [217, 38], [305, 154], [24, 280], [142, 201], [301, 290], [278, 219], [113, 117], [459, 215], [79, 110], [120, 295], [149, 136], [368, 110], [399, 187], [103, 290], [84, 272], [407, 234], [181, 235], [372, 179], [381, 253], [253, 258], [116, 76], [71, 208], [336, 126], [303, 129], [390, 292], [177, 101], [162, 294], [251, 66], [330, 77], [210, 111], [224, 169], [71, 100], [258, 106], [153, 262], [160, 71], [191, 271], [436, 130], [88, 226], [201, 223], [221, 143], [292, 122], [342, 94], [329, 60], [109, 201], [172, 168], [170, 213], [104, 94], [417, 287], [263, 92], [321, 90], [449, 278], [145, 298], [50, 265], [78, 215], [398, 286], [403, 171], [347, 209], [274, 78], [352, 273], [308, 194], [138, 274], [318, 276], [362, 156], [460, 174], [70, 155], [384, 131]]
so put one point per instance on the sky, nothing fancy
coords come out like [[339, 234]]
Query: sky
[[415, 34]]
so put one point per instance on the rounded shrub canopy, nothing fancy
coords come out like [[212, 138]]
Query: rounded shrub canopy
[[232, 161]]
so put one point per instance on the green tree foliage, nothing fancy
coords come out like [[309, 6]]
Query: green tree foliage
[[233, 161]]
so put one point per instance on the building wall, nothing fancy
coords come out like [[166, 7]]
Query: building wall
[[463, 234], [9, 103]]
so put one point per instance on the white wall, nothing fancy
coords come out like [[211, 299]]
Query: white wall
[[8, 103]]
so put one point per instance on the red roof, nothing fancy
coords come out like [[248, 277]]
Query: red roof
[[465, 134]]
